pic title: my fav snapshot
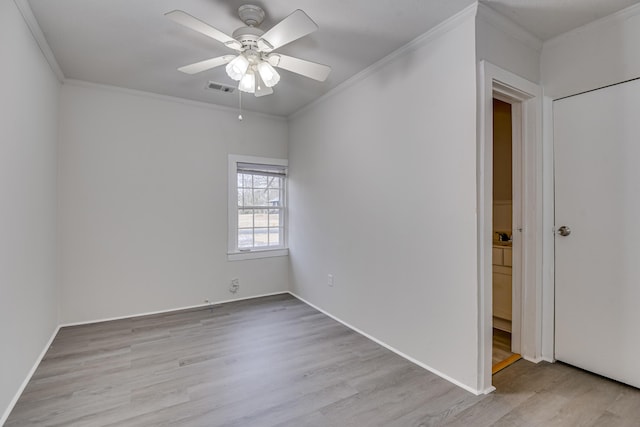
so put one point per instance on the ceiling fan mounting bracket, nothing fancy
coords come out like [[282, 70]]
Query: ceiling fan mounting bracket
[[251, 15]]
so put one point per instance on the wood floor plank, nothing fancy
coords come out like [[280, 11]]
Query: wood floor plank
[[275, 361]]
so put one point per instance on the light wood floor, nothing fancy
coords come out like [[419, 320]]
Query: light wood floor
[[277, 362]]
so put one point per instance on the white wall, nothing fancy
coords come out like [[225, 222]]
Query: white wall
[[383, 196], [28, 135], [143, 202], [506, 45], [595, 55]]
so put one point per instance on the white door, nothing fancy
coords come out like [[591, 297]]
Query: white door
[[597, 178]]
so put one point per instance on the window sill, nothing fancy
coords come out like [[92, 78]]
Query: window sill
[[267, 253]]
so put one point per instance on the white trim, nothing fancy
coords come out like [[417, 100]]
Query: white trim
[[257, 254], [610, 20], [13, 402], [534, 359], [38, 35], [548, 236], [422, 40], [506, 25], [167, 98], [149, 313], [528, 94], [517, 209], [398, 352]]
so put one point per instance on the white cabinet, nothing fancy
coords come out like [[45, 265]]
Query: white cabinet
[[502, 285], [506, 257]]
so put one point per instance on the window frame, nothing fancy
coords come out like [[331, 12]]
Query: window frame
[[233, 252]]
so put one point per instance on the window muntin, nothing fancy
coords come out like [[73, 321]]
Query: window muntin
[[257, 208], [260, 210]]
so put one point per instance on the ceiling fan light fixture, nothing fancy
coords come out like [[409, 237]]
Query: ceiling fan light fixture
[[237, 68], [268, 74], [248, 82]]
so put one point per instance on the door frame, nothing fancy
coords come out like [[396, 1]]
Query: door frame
[[527, 96]]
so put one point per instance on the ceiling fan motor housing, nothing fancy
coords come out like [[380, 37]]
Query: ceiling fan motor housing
[[248, 36]]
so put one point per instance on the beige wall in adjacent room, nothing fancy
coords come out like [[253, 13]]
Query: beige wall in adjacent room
[[502, 167], [502, 151]]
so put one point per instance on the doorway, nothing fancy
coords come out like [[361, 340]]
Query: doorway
[[525, 98], [505, 300]]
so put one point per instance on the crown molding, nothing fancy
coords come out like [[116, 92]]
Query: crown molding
[[422, 40], [167, 98], [38, 35], [616, 18], [501, 22]]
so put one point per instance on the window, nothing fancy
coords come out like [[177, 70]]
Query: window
[[257, 208]]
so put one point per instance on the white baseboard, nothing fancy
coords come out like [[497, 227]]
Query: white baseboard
[[535, 360], [399, 353], [129, 316], [13, 402]]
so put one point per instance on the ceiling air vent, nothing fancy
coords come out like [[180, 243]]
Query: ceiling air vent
[[220, 87]]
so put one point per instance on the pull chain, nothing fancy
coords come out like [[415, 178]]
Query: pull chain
[[240, 104]]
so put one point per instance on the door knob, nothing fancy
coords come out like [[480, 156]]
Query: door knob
[[564, 231]]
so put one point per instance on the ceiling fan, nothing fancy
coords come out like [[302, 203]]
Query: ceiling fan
[[253, 63]]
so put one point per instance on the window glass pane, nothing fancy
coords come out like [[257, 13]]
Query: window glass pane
[[274, 198], [245, 218], [261, 237], [240, 197], [247, 178], [260, 198], [260, 181], [274, 218], [245, 238], [247, 196], [260, 210], [275, 182], [274, 237], [260, 218]]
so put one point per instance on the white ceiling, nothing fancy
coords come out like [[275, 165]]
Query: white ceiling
[[130, 44], [546, 19]]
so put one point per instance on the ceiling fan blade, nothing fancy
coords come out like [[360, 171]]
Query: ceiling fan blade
[[261, 88], [207, 64], [291, 28], [195, 24], [309, 69]]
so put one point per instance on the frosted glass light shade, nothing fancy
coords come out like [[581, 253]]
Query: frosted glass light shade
[[269, 75], [248, 82], [237, 68]]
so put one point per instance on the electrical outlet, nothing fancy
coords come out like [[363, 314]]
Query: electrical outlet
[[235, 285], [330, 280]]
